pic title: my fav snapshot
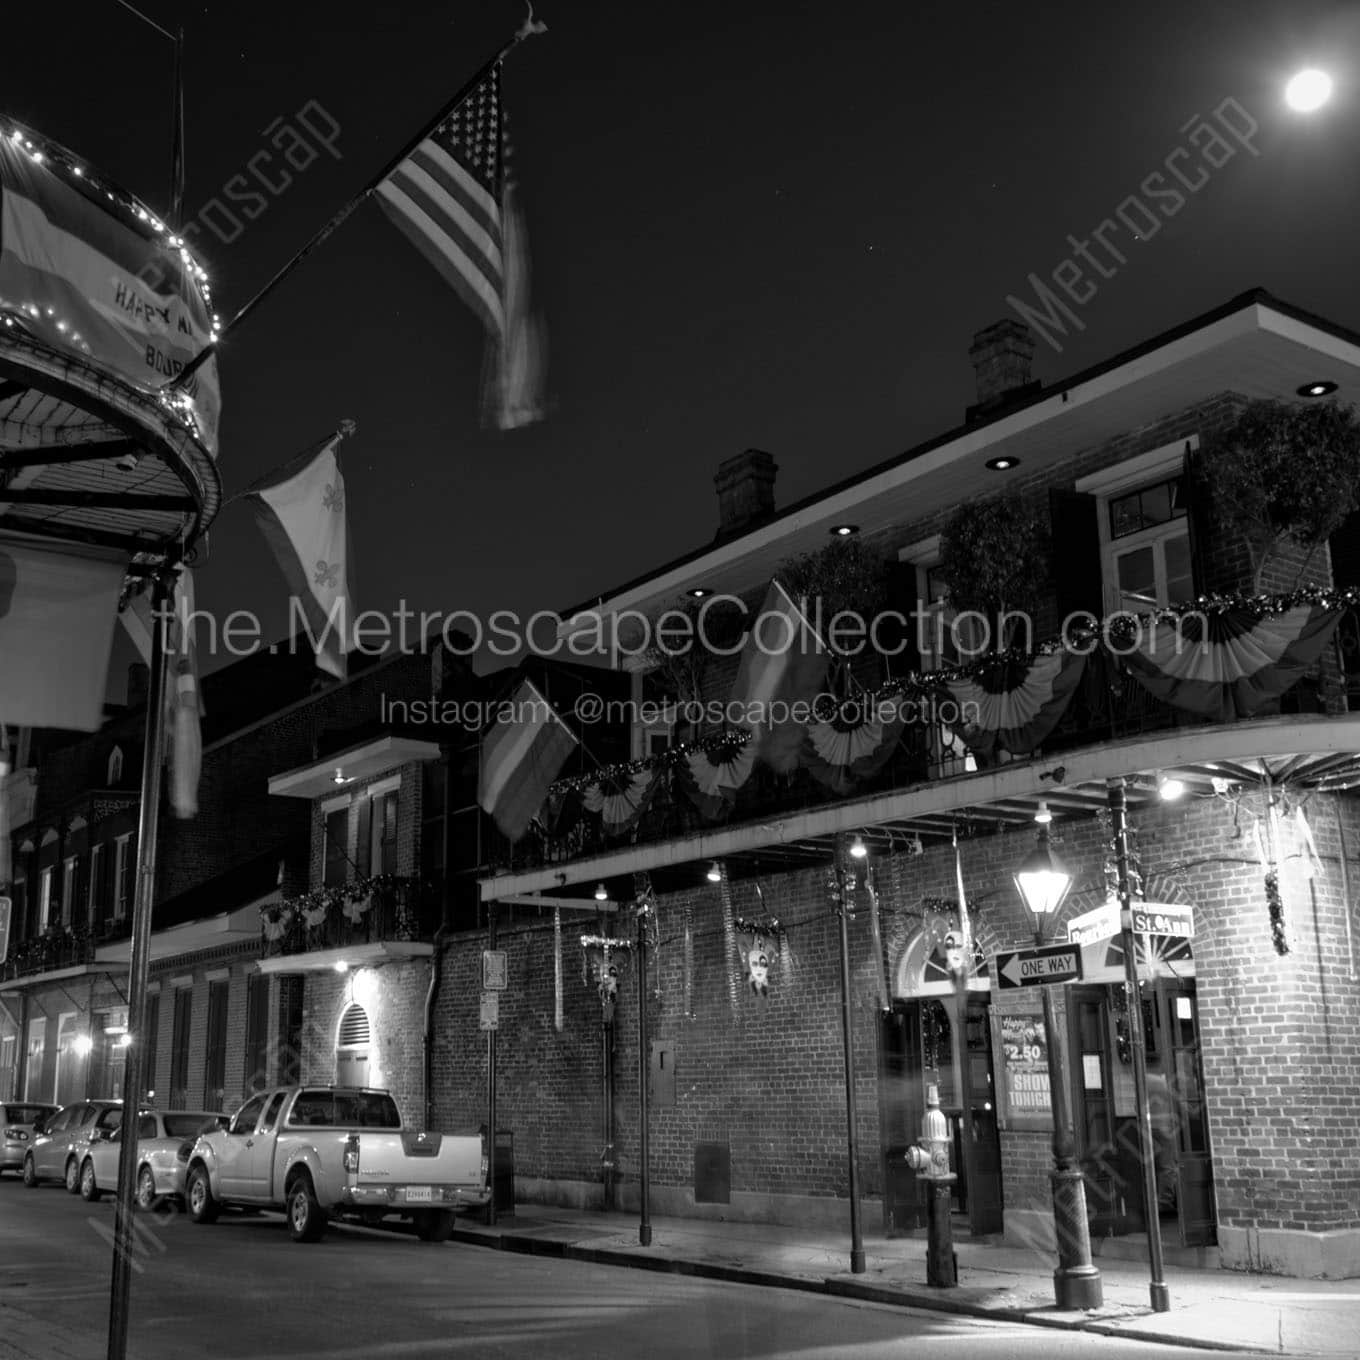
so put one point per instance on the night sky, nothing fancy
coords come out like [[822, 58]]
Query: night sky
[[751, 226]]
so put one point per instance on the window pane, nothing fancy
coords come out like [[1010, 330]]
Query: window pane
[[1138, 574], [1180, 581], [1125, 516], [1156, 504], [1177, 485]]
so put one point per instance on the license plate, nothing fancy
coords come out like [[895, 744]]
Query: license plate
[[419, 1194]]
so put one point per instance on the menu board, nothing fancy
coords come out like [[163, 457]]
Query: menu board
[[1020, 1049]]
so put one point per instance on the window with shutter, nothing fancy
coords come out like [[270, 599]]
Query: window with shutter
[[385, 833]]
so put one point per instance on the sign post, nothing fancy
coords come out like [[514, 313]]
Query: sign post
[[1160, 1294]]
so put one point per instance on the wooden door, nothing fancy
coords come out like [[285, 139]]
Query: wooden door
[[900, 1104], [1194, 1167], [983, 1161]]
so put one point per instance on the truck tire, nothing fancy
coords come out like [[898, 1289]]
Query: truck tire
[[436, 1226], [198, 1195], [306, 1217], [89, 1185]]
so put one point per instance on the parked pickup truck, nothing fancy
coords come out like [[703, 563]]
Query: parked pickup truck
[[322, 1152]]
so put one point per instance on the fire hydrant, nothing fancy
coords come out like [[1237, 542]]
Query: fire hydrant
[[930, 1160]]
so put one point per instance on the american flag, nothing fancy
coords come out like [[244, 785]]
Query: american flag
[[446, 198]]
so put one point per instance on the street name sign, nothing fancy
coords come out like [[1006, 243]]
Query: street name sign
[[491, 1011], [1163, 918], [494, 972], [1100, 924], [1038, 967]]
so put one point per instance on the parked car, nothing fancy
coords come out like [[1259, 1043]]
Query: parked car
[[21, 1121], [52, 1156], [321, 1152], [161, 1135]]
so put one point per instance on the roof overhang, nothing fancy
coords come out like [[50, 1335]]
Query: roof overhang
[[239, 926], [1314, 752], [336, 772], [1256, 347], [351, 956]]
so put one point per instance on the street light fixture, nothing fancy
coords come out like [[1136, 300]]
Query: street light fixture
[[1308, 90], [1043, 882]]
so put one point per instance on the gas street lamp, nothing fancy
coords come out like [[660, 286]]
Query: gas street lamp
[[1043, 882]]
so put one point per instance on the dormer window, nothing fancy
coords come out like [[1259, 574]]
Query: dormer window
[[115, 767]]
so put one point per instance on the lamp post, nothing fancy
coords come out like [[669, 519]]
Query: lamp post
[[843, 895], [644, 916], [1160, 1295], [1043, 883]]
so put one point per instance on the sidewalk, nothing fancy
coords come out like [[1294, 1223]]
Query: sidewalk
[[1210, 1309]]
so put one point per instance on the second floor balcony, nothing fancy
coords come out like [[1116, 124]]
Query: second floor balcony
[[60, 951], [1109, 720], [361, 922]]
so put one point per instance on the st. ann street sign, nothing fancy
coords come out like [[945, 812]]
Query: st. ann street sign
[[1038, 967]]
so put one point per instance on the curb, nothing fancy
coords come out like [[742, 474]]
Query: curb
[[834, 1286]]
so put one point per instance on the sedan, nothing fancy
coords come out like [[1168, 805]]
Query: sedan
[[52, 1156], [160, 1170], [21, 1122]]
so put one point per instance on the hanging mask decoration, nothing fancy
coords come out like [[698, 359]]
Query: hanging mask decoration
[[756, 952], [758, 967], [608, 987], [599, 965], [953, 953]]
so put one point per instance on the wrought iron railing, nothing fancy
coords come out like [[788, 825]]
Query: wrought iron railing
[[48, 953], [1109, 704], [404, 910]]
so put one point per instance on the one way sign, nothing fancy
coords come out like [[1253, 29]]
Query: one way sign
[[1038, 967]]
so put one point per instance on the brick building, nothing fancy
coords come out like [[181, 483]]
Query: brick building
[[217, 1025], [1252, 1018]]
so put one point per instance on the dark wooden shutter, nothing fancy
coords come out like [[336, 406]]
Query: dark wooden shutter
[[363, 848], [388, 844], [904, 597], [336, 858], [1345, 545], [1077, 574], [1195, 496]]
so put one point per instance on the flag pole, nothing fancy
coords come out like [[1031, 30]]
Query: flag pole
[[530, 27], [153, 758]]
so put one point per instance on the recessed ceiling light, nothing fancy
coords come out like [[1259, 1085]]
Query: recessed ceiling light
[[699, 593], [844, 530], [1002, 464], [1317, 389]]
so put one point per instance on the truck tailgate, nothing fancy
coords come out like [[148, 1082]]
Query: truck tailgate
[[409, 1158]]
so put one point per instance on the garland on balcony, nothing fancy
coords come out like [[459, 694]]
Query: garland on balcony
[[623, 771], [353, 899]]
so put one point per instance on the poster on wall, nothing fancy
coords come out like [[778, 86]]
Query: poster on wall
[[1020, 1049]]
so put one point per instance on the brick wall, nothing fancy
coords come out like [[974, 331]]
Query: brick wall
[[1280, 1035]]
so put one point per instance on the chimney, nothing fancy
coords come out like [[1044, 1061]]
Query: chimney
[[745, 491], [139, 681], [1001, 357]]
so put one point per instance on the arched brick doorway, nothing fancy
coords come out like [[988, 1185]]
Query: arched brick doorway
[[921, 1044]]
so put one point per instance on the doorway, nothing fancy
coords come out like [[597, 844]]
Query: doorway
[[1105, 1112], [921, 1045]]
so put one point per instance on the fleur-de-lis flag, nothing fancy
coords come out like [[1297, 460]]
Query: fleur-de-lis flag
[[301, 512]]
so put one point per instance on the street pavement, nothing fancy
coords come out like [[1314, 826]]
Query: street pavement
[[241, 1288]]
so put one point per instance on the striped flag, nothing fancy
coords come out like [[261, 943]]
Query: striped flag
[[302, 516], [451, 198], [521, 757], [782, 665], [183, 697]]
